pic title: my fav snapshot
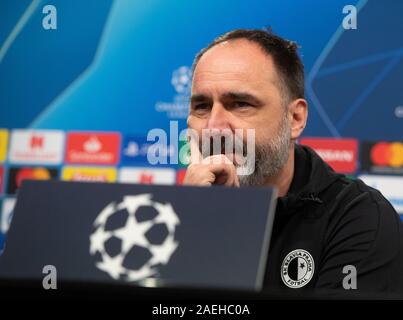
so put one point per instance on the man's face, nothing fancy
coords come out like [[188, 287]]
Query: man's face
[[235, 86]]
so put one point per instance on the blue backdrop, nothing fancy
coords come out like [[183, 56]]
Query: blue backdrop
[[109, 64]]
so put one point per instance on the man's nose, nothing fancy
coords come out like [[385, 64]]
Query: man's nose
[[219, 118]]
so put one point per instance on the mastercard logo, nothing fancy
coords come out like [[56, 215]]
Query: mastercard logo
[[32, 174], [387, 154]]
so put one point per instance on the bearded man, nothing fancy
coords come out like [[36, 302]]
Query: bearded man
[[330, 233]]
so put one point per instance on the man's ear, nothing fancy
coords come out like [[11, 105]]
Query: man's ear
[[298, 115]]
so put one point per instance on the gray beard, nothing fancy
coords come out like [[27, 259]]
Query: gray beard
[[270, 157]]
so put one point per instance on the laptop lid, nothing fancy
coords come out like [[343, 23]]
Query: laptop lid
[[182, 236]]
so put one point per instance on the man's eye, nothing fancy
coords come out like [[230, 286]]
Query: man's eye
[[241, 104], [201, 107]]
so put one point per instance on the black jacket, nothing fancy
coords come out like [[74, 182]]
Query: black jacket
[[327, 222]]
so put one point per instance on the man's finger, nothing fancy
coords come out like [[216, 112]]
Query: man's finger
[[225, 173], [217, 159], [193, 140]]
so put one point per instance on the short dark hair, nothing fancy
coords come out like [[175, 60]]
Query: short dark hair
[[284, 53]]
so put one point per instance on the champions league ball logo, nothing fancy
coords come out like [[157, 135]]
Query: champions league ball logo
[[178, 107], [182, 80], [132, 238]]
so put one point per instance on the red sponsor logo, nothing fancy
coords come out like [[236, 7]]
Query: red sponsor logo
[[32, 174], [146, 178], [95, 148], [36, 142], [16, 175], [180, 176], [387, 154], [340, 154]]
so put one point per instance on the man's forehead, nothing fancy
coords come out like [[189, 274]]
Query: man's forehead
[[235, 61]]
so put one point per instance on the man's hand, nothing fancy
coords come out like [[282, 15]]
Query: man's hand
[[215, 169]]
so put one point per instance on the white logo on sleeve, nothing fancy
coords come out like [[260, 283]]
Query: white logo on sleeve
[[297, 268]]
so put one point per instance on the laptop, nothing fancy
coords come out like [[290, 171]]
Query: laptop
[[147, 235]]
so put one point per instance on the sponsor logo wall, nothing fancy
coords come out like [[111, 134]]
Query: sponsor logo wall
[[112, 157], [93, 148], [382, 157], [340, 154], [378, 163], [89, 174], [36, 147], [75, 156], [3, 144]]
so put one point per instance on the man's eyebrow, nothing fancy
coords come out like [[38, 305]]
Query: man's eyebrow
[[241, 96], [232, 95], [198, 98]]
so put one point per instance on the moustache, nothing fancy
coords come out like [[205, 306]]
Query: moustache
[[222, 144]]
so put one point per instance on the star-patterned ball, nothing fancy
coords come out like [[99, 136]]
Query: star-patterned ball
[[131, 239]]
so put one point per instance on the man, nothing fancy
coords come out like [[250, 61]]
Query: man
[[330, 232]]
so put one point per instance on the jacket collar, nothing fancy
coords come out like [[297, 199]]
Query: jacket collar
[[311, 177]]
